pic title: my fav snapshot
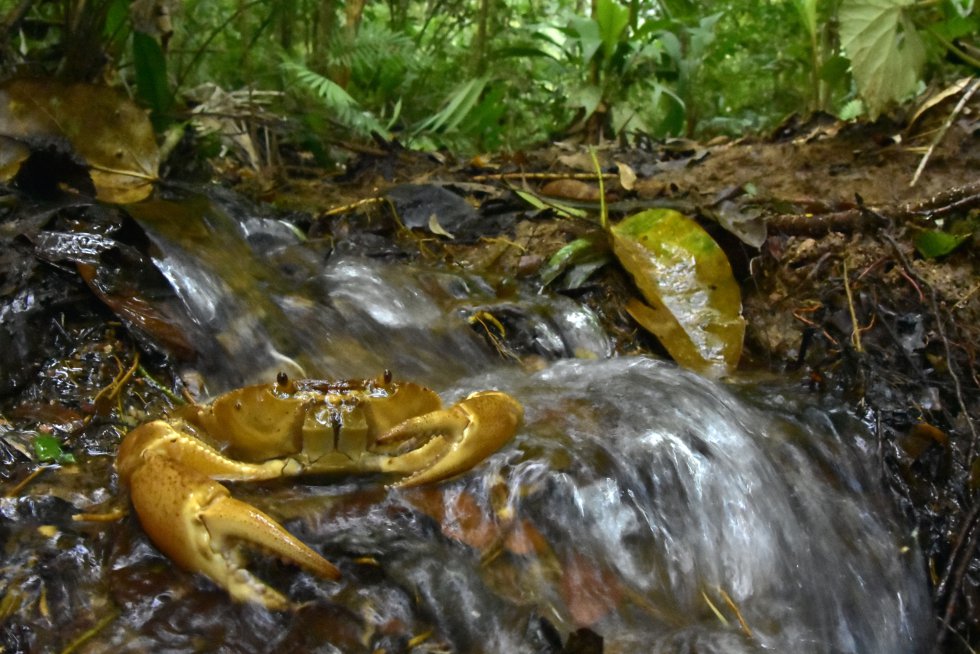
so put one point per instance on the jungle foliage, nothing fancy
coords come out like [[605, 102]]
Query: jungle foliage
[[476, 75]]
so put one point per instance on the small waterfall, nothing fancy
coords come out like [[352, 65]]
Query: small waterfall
[[273, 302], [659, 510], [664, 512]]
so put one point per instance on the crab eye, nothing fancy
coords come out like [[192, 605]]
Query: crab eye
[[282, 378]]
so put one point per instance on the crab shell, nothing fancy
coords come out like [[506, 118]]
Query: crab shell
[[173, 467]]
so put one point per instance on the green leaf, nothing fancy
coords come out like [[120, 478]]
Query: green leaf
[[851, 110], [886, 51], [457, 106], [701, 37], [935, 243], [589, 37], [612, 19], [582, 253], [834, 70], [587, 96], [48, 448], [152, 85], [694, 303], [345, 108], [963, 7], [679, 9], [524, 52], [116, 18], [550, 204], [672, 108], [807, 9], [671, 44]]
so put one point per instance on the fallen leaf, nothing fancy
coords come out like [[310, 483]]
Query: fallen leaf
[[141, 314], [581, 252], [938, 97], [589, 591], [462, 518], [438, 229], [571, 189], [935, 243], [627, 176], [694, 303], [111, 135]]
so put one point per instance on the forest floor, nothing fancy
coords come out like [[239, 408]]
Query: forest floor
[[857, 285], [819, 222]]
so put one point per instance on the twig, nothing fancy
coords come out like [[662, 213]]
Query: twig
[[350, 207], [959, 561], [949, 201], [603, 210], [855, 327], [111, 516], [153, 382], [962, 301], [17, 488], [941, 133], [738, 614], [91, 633], [541, 176], [954, 200], [714, 609], [851, 220], [110, 394]]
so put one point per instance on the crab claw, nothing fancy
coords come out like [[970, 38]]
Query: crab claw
[[195, 521], [456, 438]]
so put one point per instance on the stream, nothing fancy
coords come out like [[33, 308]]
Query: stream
[[639, 508]]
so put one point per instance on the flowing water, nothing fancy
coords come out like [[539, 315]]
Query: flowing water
[[297, 309], [658, 510], [661, 494]]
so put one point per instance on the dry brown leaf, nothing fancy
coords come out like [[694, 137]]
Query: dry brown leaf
[[110, 134], [627, 176]]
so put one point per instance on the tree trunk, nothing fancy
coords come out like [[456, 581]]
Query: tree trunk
[[326, 22], [479, 61]]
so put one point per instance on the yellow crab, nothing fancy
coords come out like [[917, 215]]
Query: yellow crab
[[292, 427]]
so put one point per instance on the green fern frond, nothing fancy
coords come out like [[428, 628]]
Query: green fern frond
[[343, 107], [459, 103]]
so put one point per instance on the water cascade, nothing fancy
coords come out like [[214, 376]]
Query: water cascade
[[655, 509]]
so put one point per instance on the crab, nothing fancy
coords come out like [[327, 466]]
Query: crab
[[172, 467]]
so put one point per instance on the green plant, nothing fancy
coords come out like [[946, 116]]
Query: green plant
[[607, 65], [470, 74], [828, 71], [687, 47], [342, 108], [886, 51]]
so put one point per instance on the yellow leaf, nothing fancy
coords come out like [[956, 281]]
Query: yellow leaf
[[693, 302]]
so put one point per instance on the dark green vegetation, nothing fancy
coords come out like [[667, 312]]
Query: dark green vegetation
[[485, 75]]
